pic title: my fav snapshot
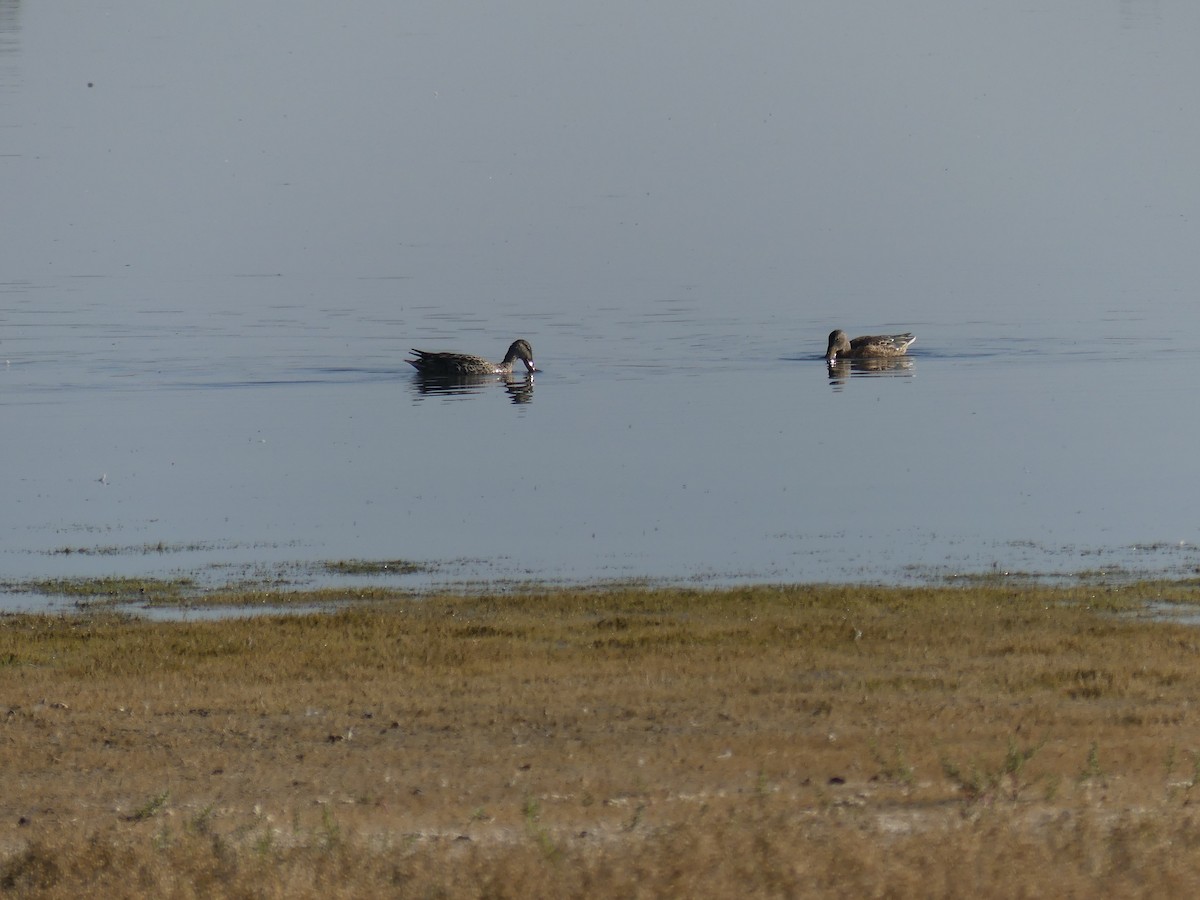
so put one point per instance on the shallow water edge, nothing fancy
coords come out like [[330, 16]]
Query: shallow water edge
[[303, 588]]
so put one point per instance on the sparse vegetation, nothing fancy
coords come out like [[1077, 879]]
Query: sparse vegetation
[[1091, 769], [373, 567], [1003, 781], [111, 590], [1002, 739], [150, 808]]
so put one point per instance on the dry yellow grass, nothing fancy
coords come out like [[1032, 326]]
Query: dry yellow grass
[[992, 740]]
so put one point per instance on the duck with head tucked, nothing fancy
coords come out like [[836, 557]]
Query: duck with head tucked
[[872, 346], [456, 364]]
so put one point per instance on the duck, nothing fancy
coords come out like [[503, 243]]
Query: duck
[[454, 364], [871, 346]]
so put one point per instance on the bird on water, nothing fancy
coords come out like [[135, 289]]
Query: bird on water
[[870, 346], [450, 364]]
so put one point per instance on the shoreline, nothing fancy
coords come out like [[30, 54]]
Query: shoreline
[[184, 594], [202, 573]]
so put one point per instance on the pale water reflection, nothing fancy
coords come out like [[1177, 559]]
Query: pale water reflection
[[841, 370], [518, 387], [226, 224]]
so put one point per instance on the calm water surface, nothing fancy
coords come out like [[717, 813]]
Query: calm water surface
[[226, 226]]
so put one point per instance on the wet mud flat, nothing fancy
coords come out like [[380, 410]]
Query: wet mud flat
[[996, 738]]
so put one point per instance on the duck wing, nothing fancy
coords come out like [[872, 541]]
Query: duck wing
[[883, 343], [449, 363]]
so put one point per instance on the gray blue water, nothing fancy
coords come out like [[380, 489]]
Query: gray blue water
[[226, 225]]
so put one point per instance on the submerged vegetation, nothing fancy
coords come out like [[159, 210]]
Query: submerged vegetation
[[373, 567], [112, 590], [996, 738], [186, 592]]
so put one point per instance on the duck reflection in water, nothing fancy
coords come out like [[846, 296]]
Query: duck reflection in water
[[518, 387], [841, 370]]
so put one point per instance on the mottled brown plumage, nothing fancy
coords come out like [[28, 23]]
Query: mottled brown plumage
[[866, 347], [450, 364]]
